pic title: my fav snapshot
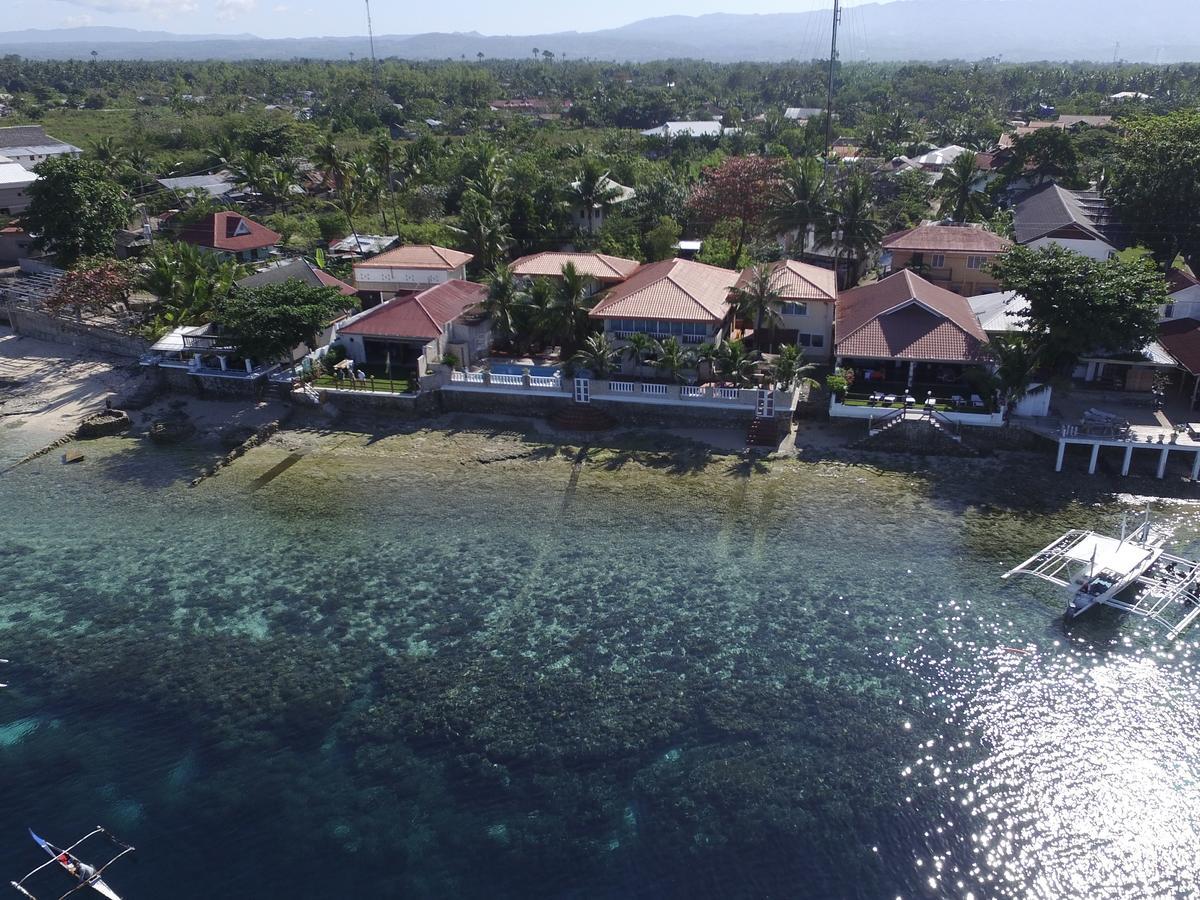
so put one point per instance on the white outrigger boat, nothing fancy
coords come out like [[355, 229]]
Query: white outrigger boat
[[86, 876], [1131, 573]]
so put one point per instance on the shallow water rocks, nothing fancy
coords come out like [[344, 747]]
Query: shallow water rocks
[[105, 423]]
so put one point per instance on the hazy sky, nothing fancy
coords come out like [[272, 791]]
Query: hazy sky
[[302, 18]]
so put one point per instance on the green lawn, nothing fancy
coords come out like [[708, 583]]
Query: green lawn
[[378, 385]]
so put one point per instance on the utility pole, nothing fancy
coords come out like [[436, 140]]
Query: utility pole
[[371, 33], [837, 15], [1116, 51]]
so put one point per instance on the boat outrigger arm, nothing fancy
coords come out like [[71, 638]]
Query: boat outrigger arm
[[92, 879], [1130, 573]]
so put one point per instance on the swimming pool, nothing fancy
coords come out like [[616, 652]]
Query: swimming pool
[[507, 369]]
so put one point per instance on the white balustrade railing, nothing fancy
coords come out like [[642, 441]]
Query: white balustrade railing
[[517, 380], [690, 392], [622, 387], [657, 390], [543, 381], [729, 393]]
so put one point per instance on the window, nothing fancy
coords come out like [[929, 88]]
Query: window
[[937, 261], [976, 262], [810, 340], [1169, 311], [795, 309], [818, 340]]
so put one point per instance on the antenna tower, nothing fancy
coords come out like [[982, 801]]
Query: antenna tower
[[837, 16]]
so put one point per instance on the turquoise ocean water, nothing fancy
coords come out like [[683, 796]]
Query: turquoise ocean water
[[411, 667]]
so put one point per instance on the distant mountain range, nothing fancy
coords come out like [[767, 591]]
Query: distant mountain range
[[1014, 30]]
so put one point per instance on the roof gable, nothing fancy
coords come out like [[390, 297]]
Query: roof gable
[[421, 316], [229, 231], [673, 289]]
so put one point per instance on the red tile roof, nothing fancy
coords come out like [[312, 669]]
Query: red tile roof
[[417, 256], [603, 268], [679, 290], [1181, 338], [947, 239], [229, 231], [798, 281], [905, 317], [422, 316]]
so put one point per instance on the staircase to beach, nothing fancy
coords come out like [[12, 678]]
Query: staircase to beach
[[766, 432], [915, 430]]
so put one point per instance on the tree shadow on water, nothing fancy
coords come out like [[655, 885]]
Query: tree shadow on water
[[149, 465]]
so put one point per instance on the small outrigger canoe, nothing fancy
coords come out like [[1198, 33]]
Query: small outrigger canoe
[[87, 876]]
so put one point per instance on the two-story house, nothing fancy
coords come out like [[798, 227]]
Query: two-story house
[[1081, 221], [676, 298], [230, 234], [408, 269], [808, 298], [15, 180], [954, 257]]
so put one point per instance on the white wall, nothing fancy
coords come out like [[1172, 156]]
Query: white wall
[[1034, 404], [1184, 304]]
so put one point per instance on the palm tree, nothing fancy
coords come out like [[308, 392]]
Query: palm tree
[[279, 187], [789, 368], [576, 299], [758, 299], [327, 153], [1018, 361], [486, 232], [223, 151], [188, 281], [502, 302], [801, 202], [383, 158], [959, 189], [599, 355], [708, 354], [593, 190], [109, 154], [671, 358], [853, 226], [637, 348], [735, 363], [543, 314]]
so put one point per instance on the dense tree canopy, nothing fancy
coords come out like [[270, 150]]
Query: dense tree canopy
[[1078, 305], [75, 209], [267, 322], [1155, 185]]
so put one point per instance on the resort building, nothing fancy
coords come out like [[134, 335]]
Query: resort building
[[29, 145], [674, 298], [231, 235], [808, 298], [1077, 220], [408, 269], [410, 334], [953, 256], [15, 180], [907, 333], [604, 271]]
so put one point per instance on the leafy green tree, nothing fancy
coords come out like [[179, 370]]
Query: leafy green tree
[[739, 190], [660, 241], [1155, 185], [1079, 305], [790, 369], [904, 199], [189, 282], [267, 322], [74, 209], [598, 355], [1046, 154], [961, 191]]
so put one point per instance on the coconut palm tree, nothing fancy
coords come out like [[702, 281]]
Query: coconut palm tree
[[576, 298], [959, 190], [735, 363], [708, 355], [484, 229], [1018, 362], [671, 358], [853, 226], [502, 302], [637, 347], [593, 190], [109, 153], [801, 202], [223, 151], [542, 312], [329, 156], [758, 299], [790, 369], [599, 355], [383, 158]]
